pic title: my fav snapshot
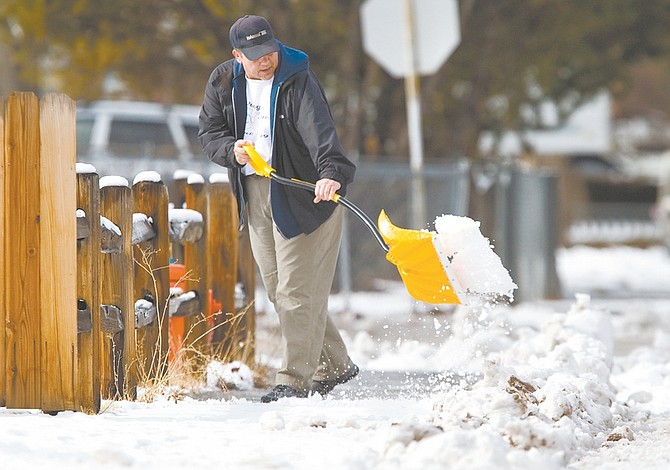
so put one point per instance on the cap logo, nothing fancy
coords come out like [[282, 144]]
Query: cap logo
[[257, 35]]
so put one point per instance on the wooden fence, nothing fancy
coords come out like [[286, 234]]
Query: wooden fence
[[103, 281]]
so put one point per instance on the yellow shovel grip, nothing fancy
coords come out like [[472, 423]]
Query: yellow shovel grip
[[258, 163]]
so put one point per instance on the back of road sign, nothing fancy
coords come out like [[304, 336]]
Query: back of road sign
[[386, 24]]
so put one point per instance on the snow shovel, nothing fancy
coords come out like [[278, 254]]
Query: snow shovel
[[418, 254]]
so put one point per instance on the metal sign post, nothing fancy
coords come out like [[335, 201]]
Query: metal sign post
[[426, 32], [413, 107]]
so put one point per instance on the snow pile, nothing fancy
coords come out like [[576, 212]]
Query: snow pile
[[185, 225], [643, 376], [84, 168], [147, 176], [541, 402], [195, 178], [112, 181], [530, 386], [478, 269], [219, 178], [459, 343], [616, 270], [109, 226], [234, 375]]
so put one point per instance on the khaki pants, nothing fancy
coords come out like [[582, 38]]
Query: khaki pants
[[298, 275]]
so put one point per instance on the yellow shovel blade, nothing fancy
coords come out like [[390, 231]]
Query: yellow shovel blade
[[423, 267]]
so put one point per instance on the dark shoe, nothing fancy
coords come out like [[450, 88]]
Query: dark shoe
[[282, 391], [324, 387]]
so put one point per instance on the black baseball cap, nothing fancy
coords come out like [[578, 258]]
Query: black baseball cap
[[253, 36]]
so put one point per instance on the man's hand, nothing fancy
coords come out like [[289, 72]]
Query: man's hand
[[325, 189], [241, 156]]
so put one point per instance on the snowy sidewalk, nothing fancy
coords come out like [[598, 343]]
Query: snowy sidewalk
[[378, 384]]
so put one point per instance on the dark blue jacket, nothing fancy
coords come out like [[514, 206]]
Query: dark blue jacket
[[305, 143]]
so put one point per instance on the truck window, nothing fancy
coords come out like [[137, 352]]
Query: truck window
[[141, 139], [84, 127]]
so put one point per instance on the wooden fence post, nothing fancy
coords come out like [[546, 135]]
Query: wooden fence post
[[66, 310], [58, 248], [21, 252], [222, 265], [117, 288], [177, 188], [152, 275], [88, 289], [3, 314], [39, 265], [195, 259]]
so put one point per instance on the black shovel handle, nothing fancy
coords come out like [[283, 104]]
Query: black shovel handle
[[296, 183]]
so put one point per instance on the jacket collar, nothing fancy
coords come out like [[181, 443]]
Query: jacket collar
[[291, 61]]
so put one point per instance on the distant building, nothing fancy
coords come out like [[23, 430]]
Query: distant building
[[588, 131]]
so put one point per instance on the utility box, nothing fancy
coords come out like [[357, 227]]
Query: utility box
[[527, 232]]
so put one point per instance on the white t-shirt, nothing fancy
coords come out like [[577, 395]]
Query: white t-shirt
[[257, 127]]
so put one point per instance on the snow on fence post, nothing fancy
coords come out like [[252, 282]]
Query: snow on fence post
[[88, 289], [151, 272], [222, 261], [195, 259], [117, 308]]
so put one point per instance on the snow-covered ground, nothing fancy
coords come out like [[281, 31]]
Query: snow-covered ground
[[582, 382]]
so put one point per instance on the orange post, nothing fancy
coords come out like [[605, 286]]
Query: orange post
[[195, 260], [177, 325]]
